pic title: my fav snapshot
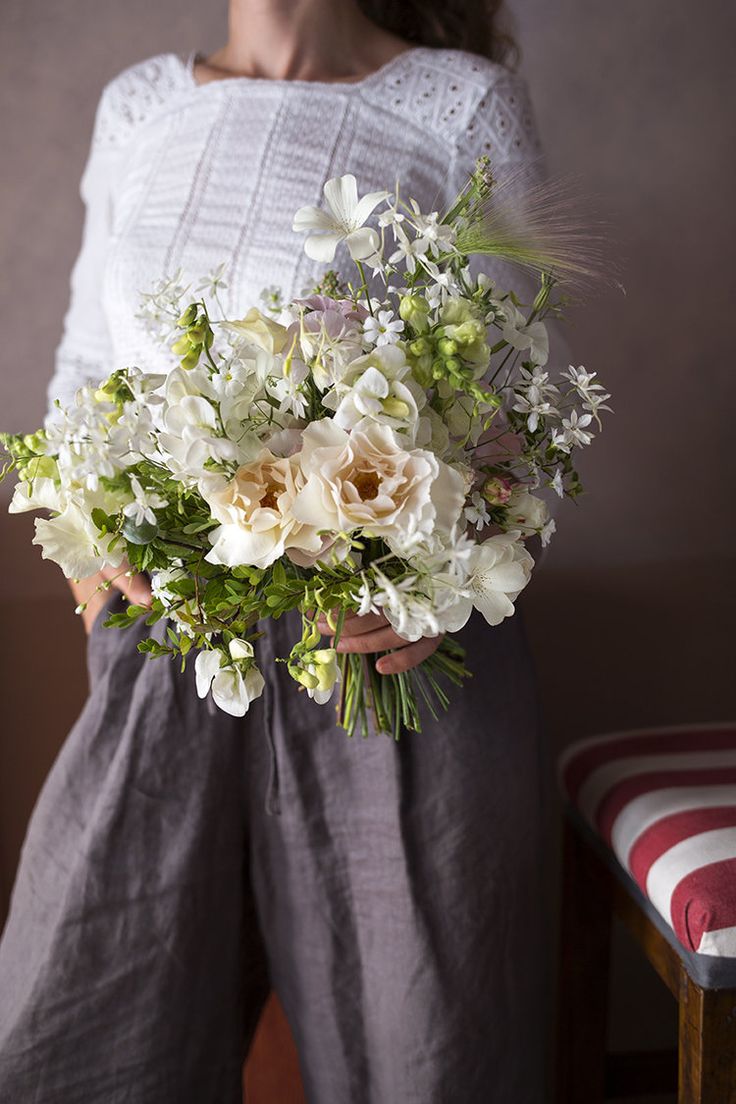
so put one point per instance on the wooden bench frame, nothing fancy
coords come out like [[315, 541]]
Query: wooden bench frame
[[704, 1067]]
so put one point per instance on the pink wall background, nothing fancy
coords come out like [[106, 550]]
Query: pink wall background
[[631, 615]]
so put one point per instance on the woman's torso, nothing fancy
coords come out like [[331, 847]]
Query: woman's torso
[[211, 174]]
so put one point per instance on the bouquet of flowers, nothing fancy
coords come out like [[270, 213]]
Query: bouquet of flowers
[[340, 453]]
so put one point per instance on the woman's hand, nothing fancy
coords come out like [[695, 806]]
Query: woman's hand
[[372, 633], [136, 589]]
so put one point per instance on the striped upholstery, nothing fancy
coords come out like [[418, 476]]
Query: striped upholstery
[[664, 802]]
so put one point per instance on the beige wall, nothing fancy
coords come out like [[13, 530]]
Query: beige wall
[[631, 616]]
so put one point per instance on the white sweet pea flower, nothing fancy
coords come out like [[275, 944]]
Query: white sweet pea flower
[[378, 387], [383, 328], [233, 688], [321, 674], [71, 540], [38, 494], [342, 222]]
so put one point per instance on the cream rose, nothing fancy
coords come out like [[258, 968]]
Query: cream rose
[[367, 480], [256, 515]]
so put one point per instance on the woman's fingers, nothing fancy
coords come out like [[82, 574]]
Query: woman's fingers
[[134, 586], [379, 640], [372, 633], [409, 656], [353, 625]]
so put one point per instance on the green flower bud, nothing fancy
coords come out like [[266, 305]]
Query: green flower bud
[[182, 345], [447, 346], [419, 346], [191, 360], [414, 309], [240, 649], [188, 317], [309, 682]]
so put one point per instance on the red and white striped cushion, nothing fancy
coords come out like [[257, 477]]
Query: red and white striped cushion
[[664, 801]]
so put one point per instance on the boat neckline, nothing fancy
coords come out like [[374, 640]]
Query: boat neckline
[[281, 82]]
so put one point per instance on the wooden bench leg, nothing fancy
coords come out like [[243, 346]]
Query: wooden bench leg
[[707, 1044], [583, 982]]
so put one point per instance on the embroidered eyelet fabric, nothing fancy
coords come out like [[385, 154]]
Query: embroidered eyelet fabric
[[183, 176]]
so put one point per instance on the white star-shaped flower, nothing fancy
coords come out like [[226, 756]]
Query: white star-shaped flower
[[342, 222]]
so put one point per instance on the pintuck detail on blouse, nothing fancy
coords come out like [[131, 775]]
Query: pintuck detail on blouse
[[182, 177]]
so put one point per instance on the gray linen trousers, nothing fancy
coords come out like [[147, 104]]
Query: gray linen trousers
[[180, 862]]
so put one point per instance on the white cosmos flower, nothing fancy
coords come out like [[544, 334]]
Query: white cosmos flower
[[342, 222], [233, 688]]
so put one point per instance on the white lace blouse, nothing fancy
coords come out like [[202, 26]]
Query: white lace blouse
[[187, 176]]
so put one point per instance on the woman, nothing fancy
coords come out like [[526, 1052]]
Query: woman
[[179, 862]]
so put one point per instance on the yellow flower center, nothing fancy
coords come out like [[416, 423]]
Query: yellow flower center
[[366, 484]]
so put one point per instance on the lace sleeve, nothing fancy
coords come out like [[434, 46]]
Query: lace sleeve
[[84, 352]]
